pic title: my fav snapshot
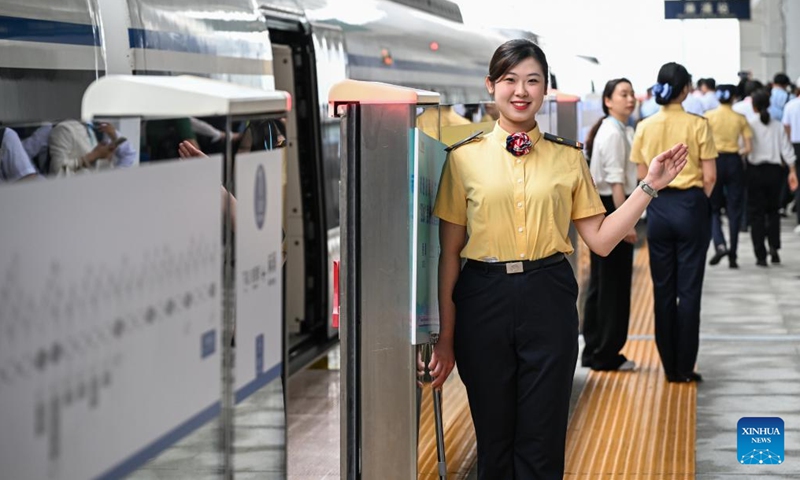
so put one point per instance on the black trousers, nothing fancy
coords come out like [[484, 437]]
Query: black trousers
[[728, 192], [763, 202], [678, 232], [516, 345], [608, 305]]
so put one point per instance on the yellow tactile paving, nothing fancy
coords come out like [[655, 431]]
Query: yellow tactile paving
[[634, 425], [460, 449]]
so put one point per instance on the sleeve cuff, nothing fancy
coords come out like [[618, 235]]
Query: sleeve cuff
[[454, 219], [588, 212]]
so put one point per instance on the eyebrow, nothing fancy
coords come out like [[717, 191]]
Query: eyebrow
[[534, 74]]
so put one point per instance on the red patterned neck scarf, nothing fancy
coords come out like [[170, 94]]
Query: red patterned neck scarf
[[518, 144]]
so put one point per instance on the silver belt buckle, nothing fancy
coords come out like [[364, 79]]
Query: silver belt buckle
[[514, 267]]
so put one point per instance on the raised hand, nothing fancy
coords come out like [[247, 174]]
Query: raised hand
[[666, 166], [186, 149]]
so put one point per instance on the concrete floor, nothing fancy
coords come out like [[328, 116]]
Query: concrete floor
[[749, 358]]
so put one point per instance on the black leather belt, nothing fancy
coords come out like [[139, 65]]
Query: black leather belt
[[515, 267]]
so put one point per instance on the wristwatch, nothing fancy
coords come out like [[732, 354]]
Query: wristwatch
[[648, 189]]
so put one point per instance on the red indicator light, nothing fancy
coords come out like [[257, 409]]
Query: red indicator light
[[434, 46]]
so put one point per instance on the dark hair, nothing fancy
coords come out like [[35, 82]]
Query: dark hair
[[608, 92], [781, 79], [726, 93], [751, 86], [761, 104], [708, 82], [677, 77], [511, 53]]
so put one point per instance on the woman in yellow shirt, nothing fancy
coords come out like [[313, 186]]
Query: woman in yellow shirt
[[505, 201], [729, 129], [678, 222]]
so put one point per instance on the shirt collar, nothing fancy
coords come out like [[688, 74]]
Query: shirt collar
[[672, 107], [500, 135]]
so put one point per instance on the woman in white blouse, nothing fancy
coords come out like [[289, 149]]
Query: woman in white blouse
[[607, 308], [771, 146]]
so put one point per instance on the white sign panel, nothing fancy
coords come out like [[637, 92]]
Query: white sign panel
[[259, 263], [110, 303]]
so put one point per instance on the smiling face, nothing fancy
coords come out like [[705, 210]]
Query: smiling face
[[518, 94], [622, 101]]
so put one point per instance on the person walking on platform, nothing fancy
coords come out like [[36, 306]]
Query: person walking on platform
[[678, 225], [765, 178], [608, 301], [505, 201], [728, 128], [791, 123]]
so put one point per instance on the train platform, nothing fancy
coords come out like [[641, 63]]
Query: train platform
[[631, 425]]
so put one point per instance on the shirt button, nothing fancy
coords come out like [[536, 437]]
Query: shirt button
[[519, 204], [521, 255], [519, 161], [520, 229], [519, 180]]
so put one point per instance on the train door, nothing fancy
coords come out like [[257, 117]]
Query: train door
[[294, 296], [307, 306]]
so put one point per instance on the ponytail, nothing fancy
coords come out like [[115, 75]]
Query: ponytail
[[590, 137], [761, 104], [672, 79]]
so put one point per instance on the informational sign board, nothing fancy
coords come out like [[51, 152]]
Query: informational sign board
[[110, 304], [259, 264], [426, 163], [686, 9]]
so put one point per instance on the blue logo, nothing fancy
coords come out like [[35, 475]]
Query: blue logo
[[760, 441], [260, 196]]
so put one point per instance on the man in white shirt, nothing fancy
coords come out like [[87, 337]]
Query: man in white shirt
[[791, 122], [74, 147], [708, 93]]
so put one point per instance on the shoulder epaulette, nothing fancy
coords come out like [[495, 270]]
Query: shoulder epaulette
[[563, 141], [474, 137]]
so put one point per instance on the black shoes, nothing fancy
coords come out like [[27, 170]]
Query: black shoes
[[732, 263], [773, 253], [691, 377], [761, 262], [718, 255]]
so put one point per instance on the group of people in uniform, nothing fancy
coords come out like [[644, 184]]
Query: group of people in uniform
[[507, 295]]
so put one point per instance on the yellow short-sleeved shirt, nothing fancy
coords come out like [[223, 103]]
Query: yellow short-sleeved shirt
[[663, 130], [727, 126], [515, 208]]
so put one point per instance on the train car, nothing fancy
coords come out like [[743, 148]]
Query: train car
[[50, 54]]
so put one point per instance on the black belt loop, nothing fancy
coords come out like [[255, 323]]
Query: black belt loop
[[515, 267]]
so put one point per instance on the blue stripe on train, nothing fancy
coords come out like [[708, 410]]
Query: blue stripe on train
[[48, 31], [187, 43]]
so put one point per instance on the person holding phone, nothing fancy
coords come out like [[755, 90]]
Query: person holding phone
[[75, 146]]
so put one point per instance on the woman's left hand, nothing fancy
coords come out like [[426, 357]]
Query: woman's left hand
[[666, 166], [792, 180]]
